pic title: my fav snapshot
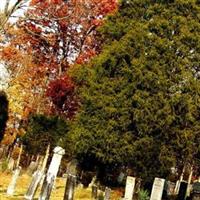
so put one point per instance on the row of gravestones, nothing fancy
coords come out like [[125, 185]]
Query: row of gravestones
[[48, 180]]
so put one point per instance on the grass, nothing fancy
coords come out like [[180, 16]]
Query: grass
[[57, 193]]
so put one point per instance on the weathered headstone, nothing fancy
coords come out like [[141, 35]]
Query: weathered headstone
[[33, 185], [31, 168], [157, 190], [69, 188], [72, 167], [11, 164], [37, 177], [130, 184], [107, 194], [12, 185], [120, 178], [94, 192], [170, 188], [52, 173]]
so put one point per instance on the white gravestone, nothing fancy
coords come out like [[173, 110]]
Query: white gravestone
[[130, 184], [157, 190], [52, 173], [38, 177], [12, 185]]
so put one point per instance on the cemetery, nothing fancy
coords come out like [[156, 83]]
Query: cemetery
[[100, 99], [37, 182]]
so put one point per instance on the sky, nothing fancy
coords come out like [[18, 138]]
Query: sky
[[4, 76]]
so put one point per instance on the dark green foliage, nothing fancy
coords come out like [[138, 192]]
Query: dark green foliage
[[3, 113], [141, 95], [43, 130]]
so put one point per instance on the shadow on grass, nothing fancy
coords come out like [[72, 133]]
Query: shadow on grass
[[59, 187], [3, 190], [19, 195]]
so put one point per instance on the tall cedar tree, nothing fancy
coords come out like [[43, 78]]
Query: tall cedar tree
[[141, 96], [3, 113], [43, 130]]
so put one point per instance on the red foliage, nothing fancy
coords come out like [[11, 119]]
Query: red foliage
[[62, 93], [55, 34]]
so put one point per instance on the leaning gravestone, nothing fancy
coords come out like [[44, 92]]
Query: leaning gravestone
[[32, 167], [11, 164], [182, 191], [51, 174], [157, 190], [130, 184], [12, 185], [69, 188], [37, 177]]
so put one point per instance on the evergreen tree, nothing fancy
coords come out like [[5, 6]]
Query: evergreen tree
[[43, 130], [3, 113], [141, 95]]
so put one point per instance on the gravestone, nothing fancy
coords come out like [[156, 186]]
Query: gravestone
[[120, 178], [37, 177], [52, 173], [69, 188], [32, 167], [107, 194], [11, 164], [182, 191], [157, 189], [12, 185], [170, 188], [94, 192], [72, 167], [130, 184], [177, 186]]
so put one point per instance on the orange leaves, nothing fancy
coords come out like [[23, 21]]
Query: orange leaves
[[84, 57], [53, 36], [62, 93]]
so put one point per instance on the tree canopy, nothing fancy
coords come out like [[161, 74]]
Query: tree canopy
[[141, 96], [41, 131]]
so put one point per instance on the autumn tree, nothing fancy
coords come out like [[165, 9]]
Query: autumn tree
[[8, 11], [47, 41], [140, 96]]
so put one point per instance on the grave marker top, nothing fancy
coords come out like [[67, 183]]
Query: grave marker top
[[130, 184], [157, 190]]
